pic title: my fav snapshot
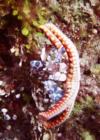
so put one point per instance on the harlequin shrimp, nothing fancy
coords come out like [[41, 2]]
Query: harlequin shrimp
[[63, 98]]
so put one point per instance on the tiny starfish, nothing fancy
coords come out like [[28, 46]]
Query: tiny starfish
[[61, 110]]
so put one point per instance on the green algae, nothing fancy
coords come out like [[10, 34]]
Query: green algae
[[95, 69], [42, 16], [85, 103], [25, 31], [87, 136], [27, 46], [15, 12]]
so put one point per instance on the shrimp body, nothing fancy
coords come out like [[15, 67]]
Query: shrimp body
[[61, 110]]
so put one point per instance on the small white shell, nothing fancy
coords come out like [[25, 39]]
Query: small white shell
[[58, 77], [43, 54], [2, 92], [4, 110], [62, 67]]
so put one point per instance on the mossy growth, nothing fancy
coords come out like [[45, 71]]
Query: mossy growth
[[85, 103], [19, 17], [41, 17], [87, 136], [39, 34], [95, 69], [27, 46], [15, 12], [26, 7], [25, 31]]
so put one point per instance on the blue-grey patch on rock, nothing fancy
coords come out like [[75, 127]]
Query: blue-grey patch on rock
[[49, 84], [55, 93], [36, 64], [61, 50]]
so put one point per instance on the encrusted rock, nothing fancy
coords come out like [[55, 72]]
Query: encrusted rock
[[36, 64]]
